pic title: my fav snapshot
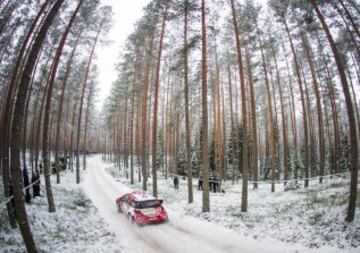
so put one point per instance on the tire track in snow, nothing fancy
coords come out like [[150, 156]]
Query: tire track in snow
[[204, 239]]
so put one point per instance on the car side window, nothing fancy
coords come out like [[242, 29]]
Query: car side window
[[125, 199], [133, 204]]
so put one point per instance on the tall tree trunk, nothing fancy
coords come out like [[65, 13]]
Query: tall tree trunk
[[17, 125], [225, 162], [45, 147], [138, 137], [144, 110], [204, 116], [218, 126], [244, 197], [167, 143], [187, 116], [154, 126], [254, 161], [176, 143], [351, 117], [132, 131], [233, 128], [125, 137]]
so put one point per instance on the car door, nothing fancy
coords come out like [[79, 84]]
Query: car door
[[124, 202], [131, 206]]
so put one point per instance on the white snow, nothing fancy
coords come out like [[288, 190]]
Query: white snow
[[181, 234], [299, 220], [184, 233], [308, 220], [75, 227]]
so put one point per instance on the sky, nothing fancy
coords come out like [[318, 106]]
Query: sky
[[126, 13]]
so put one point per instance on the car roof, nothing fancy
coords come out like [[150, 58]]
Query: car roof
[[141, 196]]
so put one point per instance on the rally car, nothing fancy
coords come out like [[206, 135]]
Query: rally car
[[142, 208]]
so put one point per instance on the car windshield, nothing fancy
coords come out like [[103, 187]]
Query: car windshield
[[148, 203]]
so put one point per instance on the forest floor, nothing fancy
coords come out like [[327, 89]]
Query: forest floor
[[303, 220], [312, 217], [186, 231], [75, 227]]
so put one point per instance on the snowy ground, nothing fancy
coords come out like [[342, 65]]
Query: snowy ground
[[312, 218], [183, 233], [76, 226], [87, 221]]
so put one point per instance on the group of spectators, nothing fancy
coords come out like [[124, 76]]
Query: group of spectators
[[214, 183]]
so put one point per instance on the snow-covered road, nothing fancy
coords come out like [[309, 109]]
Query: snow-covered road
[[180, 234]]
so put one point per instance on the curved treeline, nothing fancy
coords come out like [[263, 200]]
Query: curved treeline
[[47, 86]]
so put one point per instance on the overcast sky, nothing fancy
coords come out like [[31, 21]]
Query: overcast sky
[[126, 13]]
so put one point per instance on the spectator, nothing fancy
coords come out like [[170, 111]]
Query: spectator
[[176, 182], [26, 184], [200, 184], [36, 187]]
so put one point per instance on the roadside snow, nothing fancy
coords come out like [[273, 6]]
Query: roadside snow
[[182, 233], [312, 218], [76, 226], [304, 220]]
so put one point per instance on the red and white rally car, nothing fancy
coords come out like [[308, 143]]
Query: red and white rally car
[[142, 208]]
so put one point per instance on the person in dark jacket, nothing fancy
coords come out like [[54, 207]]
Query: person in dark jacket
[[176, 182], [36, 187], [26, 184], [200, 184]]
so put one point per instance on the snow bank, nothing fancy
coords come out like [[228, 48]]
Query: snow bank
[[76, 226], [303, 220]]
